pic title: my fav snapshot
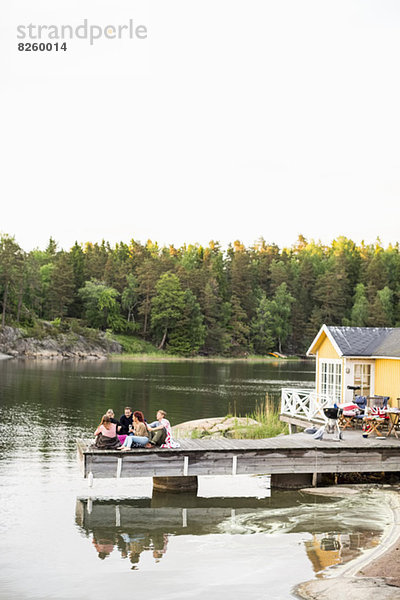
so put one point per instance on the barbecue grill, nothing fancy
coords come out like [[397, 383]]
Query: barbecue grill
[[331, 425]]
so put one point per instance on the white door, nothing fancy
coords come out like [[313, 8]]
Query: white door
[[363, 377]]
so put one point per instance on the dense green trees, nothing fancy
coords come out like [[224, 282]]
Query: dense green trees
[[11, 272], [360, 310], [167, 306], [204, 299], [101, 306]]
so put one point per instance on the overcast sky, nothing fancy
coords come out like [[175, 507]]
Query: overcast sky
[[235, 119]]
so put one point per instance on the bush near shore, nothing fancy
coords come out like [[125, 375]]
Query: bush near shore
[[267, 424]]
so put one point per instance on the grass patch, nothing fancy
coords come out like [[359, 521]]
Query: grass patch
[[151, 353], [134, 345], [197, 434], [73, 328], [267, 415]]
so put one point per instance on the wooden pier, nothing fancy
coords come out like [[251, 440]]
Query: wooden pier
[[283, 455]]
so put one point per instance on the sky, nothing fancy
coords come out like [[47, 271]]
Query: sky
[[232, 120]]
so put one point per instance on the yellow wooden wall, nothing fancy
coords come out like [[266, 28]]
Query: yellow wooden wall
[[387, 379], [326, 350]]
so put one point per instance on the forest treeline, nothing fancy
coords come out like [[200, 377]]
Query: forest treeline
[[196, 299]]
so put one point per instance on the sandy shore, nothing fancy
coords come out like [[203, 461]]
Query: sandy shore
[[374, 575]]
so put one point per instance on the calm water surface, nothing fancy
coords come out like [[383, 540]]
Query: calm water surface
[[60, 541]]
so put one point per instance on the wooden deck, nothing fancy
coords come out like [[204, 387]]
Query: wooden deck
[[298, 453]]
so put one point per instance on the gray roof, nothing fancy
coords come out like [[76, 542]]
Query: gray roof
[[367, 341], [390, 346]]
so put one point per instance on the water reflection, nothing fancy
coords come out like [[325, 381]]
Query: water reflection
[[77, 393], [331, 549], [135, 528]]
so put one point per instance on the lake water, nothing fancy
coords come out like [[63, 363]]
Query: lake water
[[60, 540]]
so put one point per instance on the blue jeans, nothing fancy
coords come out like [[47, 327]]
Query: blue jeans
[[137, 439]]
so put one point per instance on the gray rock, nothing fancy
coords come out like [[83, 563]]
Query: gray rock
[[14, 344], [213, 427]]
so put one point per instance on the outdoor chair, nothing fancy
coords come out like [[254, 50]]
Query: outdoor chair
[[353, 413], [394, 418], [376, 416]]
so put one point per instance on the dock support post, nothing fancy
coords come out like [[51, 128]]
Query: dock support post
[[291, 481], [176, 485], [292, 428], [90, 479]]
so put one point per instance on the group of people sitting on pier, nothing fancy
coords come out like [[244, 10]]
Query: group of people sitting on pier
[[133, 431]]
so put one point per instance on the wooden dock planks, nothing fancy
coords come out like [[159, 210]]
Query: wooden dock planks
[[298, 453]]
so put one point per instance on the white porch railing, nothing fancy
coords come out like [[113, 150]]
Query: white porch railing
[[304, 404]]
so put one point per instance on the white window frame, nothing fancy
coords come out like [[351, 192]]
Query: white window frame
[[333, 390]]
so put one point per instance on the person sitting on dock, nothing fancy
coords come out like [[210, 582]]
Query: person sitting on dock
[[126, 421], [160, 433], [138, 437], [106, 435], [110, 413]]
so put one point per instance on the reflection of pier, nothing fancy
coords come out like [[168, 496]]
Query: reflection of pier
[[144, 525], [172, 514], [133, 527]]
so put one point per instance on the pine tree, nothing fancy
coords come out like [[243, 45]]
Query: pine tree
[[360, 310], [331, 291], [382, 311], [215, 318], [77, 259], [95, 260], [189, 332], [130, 296], [11, 271], [376, 276], [280, 309], [238, 328], [61, 285], [261, 325], [147, 276], [167, 306], [242, 278]]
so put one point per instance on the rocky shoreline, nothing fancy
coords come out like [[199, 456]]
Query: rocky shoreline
[[15, 344], [373, 575]]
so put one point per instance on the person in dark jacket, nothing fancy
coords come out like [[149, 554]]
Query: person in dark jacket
[[126, 421]]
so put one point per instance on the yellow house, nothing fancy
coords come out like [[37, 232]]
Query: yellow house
[[366, 357]]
